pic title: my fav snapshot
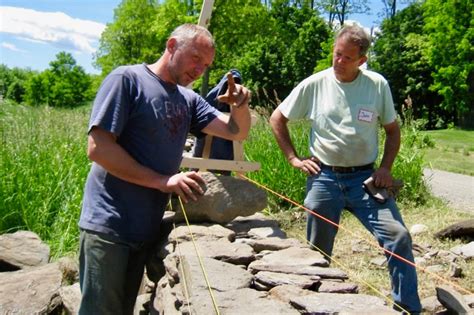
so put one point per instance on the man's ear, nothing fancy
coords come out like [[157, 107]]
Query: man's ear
[[172, 45], [362, 60]]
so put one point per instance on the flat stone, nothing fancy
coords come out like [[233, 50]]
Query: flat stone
[[466, 251], [324, 273], [337, 287], [292, 256], [234, 253], [273, 279], [22, 249], [206, 232], [334, 303]]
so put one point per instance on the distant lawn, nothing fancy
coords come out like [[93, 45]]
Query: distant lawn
[[453, 151]]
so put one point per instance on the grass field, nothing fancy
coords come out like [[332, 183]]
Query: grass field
[[453, 151]]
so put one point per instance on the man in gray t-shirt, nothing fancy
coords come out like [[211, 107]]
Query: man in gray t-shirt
[[141, 117]]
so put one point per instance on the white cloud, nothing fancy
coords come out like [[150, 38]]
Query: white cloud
[[55, 28], [12, 47]]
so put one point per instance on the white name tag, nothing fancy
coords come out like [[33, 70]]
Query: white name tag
[[366, 115]]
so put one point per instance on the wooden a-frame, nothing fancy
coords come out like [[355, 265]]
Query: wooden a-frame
[[238, 164]]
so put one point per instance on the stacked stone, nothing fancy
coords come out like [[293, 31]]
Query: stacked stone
[[251, 268]]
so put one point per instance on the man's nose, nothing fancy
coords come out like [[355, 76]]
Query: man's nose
[[199, 69]]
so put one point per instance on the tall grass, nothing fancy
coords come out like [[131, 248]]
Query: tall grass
[[43, 169]]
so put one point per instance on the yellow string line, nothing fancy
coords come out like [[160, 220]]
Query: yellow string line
[[186, 291], [370, 242], [214, 303]]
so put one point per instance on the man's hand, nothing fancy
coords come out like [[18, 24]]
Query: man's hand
[[236, 94], [382, 178], [186, 185], [309, 165]]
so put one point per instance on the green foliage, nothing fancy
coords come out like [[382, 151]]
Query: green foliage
[[129, 39], [400, 55], [13, 83], [43, 169], [450, 29], [64, 84], [15, 91], [341, 9]]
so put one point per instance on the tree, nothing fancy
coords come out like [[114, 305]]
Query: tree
[[63, 84], [401, 56], [341, 9], [450, 28], [130, 37]]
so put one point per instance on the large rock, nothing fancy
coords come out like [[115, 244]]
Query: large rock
[[463, 229], [31, 291], [225, 198], [22, 249]]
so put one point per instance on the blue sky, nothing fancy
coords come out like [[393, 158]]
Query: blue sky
[[32, 32]]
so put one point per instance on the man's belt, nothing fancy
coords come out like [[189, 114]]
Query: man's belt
[[348, 169]]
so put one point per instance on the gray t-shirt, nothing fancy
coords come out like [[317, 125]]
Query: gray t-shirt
[[151, 120]]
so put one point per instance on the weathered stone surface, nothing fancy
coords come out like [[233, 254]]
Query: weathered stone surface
[[335, 303], [234, 253], [337, 287], [242, 225], [299, 257], [264, 232], [463, 229], [240, 301], [324, 273], [466, 251], [286, 292], [22, 249], [271, 243], [168, 299], [71, 298], [452, 300], [203, 232], [142, 304], [31, 291], [222, 276], [273, 279], [225, 198]]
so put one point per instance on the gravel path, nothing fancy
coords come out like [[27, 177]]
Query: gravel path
[[456, 189]]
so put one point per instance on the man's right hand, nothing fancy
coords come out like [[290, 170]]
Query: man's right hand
[[308, 166], [186, 185]]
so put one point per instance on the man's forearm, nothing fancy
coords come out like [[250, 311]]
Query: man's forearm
[[111, 156], [239, 121], [391, 147]]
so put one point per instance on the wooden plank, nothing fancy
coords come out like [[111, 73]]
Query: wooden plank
[[206, 11], [222, 165], [238, 147]]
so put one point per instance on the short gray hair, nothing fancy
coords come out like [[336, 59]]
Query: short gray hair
[[185, 34], [356, 35]]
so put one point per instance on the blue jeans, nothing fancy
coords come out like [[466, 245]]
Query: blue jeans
[[110, 273], [328, 193]]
